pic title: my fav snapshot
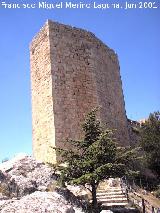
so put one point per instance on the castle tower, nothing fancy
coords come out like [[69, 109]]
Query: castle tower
[[71, 73]]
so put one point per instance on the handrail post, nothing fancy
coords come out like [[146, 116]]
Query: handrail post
[[127, 195], [143, 206]]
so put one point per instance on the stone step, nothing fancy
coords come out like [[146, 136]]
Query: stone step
[[112, 200], [114, 204], [110, 193], [110, 189], [122, 210], [120, 197], [111, 196]]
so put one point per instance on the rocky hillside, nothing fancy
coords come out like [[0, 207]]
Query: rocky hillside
[[24, 188]]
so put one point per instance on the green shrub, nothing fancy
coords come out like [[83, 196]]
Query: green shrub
[[157, 192], [51, 187]]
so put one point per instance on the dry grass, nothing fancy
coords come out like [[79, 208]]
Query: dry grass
[[150, 198], [4, 189]]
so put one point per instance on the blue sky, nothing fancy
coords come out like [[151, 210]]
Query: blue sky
[[134, 34]]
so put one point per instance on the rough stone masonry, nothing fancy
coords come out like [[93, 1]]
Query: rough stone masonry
[[72, 72]]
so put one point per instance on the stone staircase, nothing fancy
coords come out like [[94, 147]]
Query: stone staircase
[[112, 197], [110, 194]]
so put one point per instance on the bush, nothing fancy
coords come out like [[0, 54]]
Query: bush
[[157, 192], [4, 189]]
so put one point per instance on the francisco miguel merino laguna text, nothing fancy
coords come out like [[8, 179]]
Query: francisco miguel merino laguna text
[[55, 5], [71, 5], [80, 5]]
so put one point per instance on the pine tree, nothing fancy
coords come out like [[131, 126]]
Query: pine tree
[[94, 158], [150, 141]]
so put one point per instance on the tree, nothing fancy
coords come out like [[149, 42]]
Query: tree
[[150, 141], [94, 158]]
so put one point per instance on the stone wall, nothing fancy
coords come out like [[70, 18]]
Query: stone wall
[[43, 131], [71, 72], [134, 132]]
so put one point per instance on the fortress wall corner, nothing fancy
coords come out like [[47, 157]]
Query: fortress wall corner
[[43, 136]]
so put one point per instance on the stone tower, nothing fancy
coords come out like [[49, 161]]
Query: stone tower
[[71, 73]]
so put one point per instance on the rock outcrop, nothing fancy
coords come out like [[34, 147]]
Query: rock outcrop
[[23, 188], [38, 202], [25, 175]]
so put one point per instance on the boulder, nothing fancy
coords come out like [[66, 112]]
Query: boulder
[[39, 202], [24, 175], [24, 186]]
